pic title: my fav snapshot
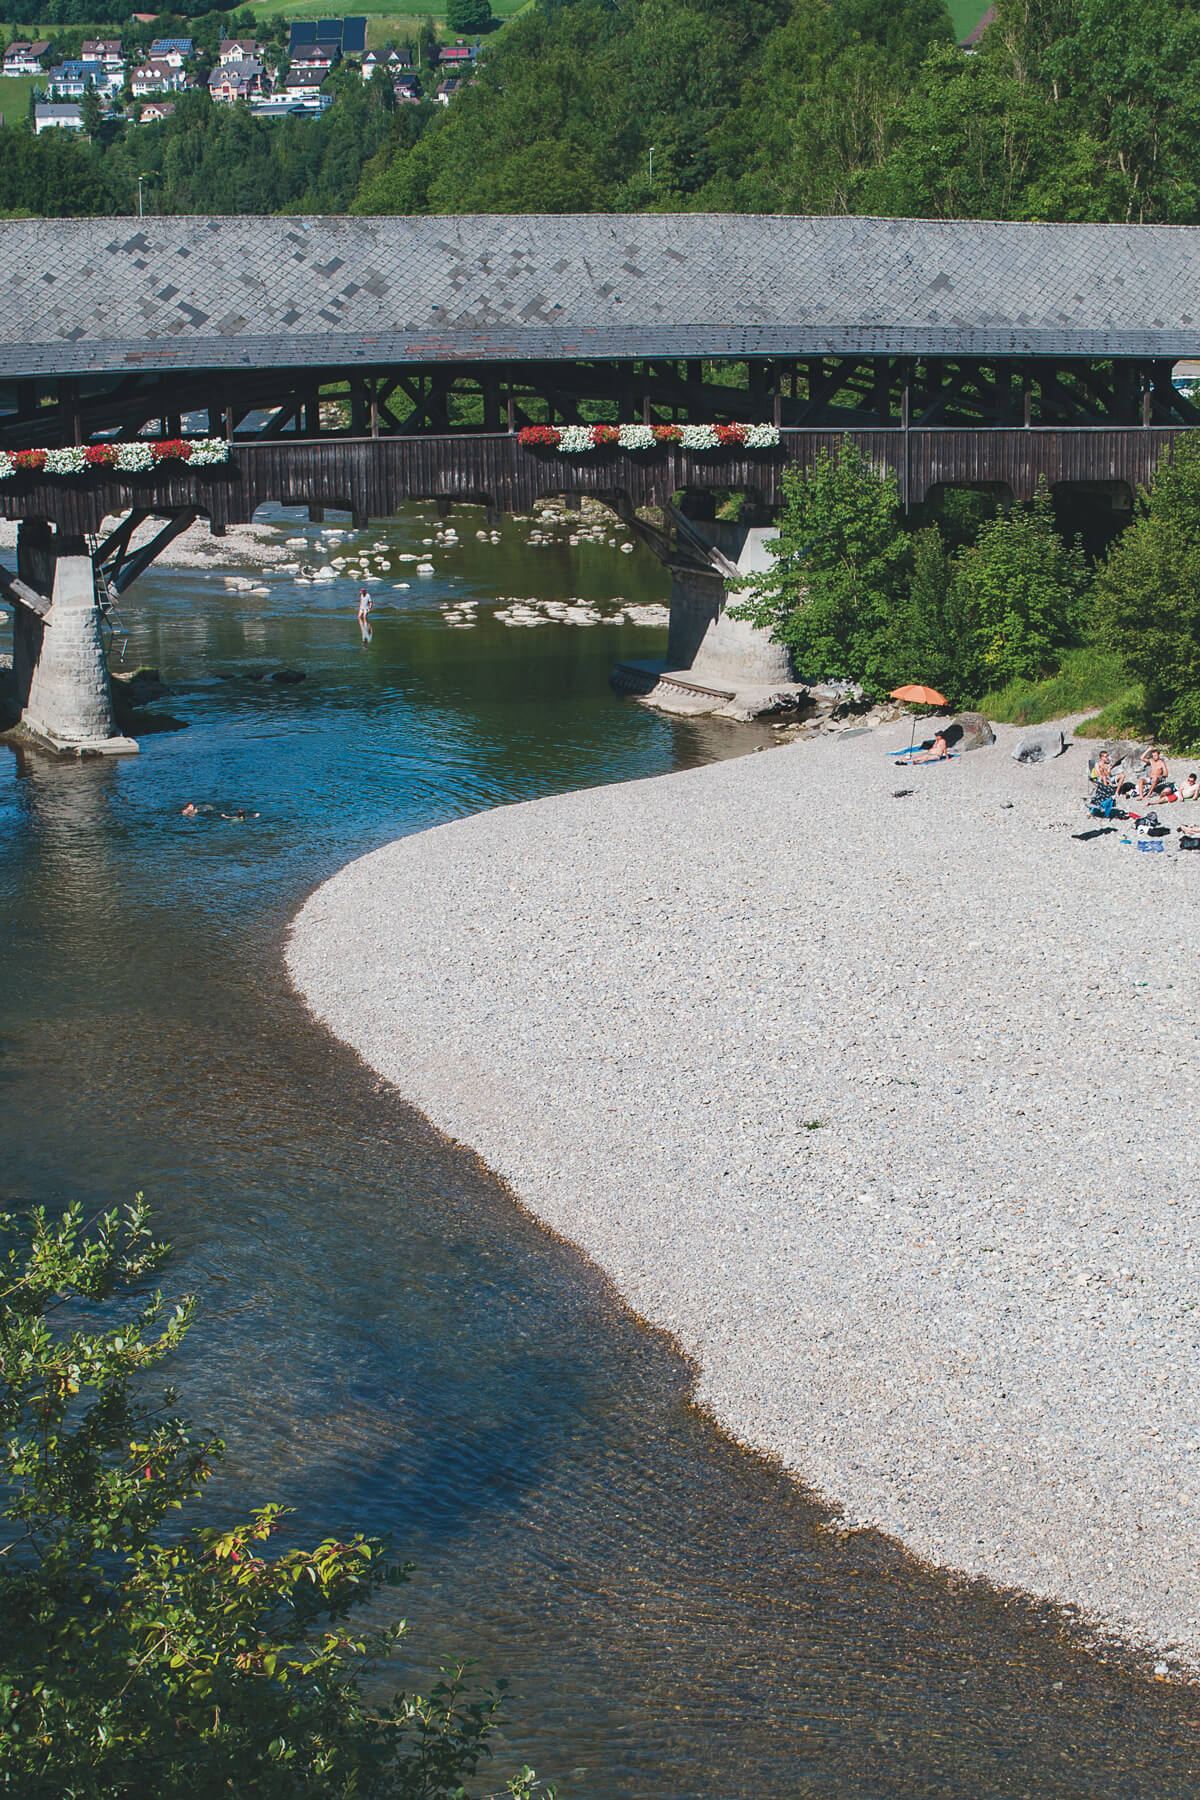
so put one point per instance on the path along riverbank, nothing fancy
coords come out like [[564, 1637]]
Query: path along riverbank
[[884, 1107]]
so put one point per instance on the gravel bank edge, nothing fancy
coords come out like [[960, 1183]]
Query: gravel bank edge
[[878, 1104]]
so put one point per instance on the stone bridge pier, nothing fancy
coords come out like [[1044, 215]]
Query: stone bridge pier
[[60, 670]]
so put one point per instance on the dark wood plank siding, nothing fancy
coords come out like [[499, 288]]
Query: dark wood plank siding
[[372, 477]]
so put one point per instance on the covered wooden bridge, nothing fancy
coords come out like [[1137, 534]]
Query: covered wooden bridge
[[358, 363]]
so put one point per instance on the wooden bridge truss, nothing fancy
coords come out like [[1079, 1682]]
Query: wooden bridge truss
[[422, 400]]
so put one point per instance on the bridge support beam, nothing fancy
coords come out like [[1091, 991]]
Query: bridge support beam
[[59, 665]]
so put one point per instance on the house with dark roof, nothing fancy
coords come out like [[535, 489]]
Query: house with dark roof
[[25, 59], [158, 78], [457, 56], [48, 117], [175, 51], [235, 81], [302, 84], [71, 80], [105, 51], [156, 109], [315, 58]]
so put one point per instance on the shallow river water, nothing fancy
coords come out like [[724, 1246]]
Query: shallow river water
[[387, 1341]]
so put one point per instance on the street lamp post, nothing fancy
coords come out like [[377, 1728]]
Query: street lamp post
[[141, 178], [652, 165]]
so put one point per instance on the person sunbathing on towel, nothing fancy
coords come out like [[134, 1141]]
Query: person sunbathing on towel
[[1156, 776], [937, 750]]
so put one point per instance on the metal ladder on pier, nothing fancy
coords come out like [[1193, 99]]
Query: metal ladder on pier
[[111, 622]]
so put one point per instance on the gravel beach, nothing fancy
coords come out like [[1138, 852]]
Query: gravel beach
[[882, 1106]]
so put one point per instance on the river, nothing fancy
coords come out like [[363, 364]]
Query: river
[[387, 1341]]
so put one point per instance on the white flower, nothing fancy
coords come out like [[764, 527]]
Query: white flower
[[573, 439], [6, 465], [209, 450], [134, 457], [699, 437], [636, 437], [762, 437], [70, 461]]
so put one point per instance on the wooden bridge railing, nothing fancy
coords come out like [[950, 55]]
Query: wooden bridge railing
[[372, 477]]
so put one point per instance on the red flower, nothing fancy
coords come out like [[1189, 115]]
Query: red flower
[[667, 434], [538, 437], [100, 456], [730, 434], [171, 447], [604, 434], [29, 459]]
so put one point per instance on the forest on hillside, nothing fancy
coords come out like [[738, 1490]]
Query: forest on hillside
[[1071, 110]]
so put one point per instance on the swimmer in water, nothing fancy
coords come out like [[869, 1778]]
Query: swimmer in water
[[189, 811], [239, 815]]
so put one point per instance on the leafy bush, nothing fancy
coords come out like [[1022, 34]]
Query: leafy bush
[[840, 570], [931, 633], [135, 1663], [1024, 590]]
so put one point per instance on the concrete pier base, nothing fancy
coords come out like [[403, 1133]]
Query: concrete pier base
[[714, 663], [59, 666]]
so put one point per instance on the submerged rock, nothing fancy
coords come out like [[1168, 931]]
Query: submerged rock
[[288, 677]]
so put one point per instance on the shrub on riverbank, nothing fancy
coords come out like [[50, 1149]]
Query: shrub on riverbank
[[1148, 596], [1091, 678], [133, 1662], [856, 597]]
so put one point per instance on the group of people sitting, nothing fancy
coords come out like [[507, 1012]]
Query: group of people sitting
[[1154, 782]]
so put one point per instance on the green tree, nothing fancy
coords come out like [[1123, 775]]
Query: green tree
[[931, 634], [839, 571], [92, 113], [1148, 596], [469, 17], [1024, 589], [136, 1662]]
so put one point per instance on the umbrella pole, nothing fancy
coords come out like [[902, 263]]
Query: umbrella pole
[[912, 738]]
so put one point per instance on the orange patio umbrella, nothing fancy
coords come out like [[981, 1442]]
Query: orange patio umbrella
[[918, 696]]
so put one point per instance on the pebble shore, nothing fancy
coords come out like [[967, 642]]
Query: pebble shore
[[884, 1107]]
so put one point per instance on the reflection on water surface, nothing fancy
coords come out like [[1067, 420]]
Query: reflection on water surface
[[387, 1341]]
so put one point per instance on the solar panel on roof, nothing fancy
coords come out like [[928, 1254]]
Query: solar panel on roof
[[304, 31], [329, 31], [354, 37]]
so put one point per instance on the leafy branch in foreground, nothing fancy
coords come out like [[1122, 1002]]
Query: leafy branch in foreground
[[136, 1662]]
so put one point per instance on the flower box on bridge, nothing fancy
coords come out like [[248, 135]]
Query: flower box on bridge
[[583, 440]]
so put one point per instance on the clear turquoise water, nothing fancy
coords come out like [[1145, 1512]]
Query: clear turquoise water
[[387, 1341]]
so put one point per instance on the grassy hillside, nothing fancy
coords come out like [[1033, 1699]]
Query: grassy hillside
[[14, 97], [965, 15]]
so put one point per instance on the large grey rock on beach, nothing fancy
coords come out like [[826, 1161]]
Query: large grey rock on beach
[[1040, 746], [969, 731]]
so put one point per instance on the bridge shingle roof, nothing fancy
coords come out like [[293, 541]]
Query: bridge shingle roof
[[227, 293]]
